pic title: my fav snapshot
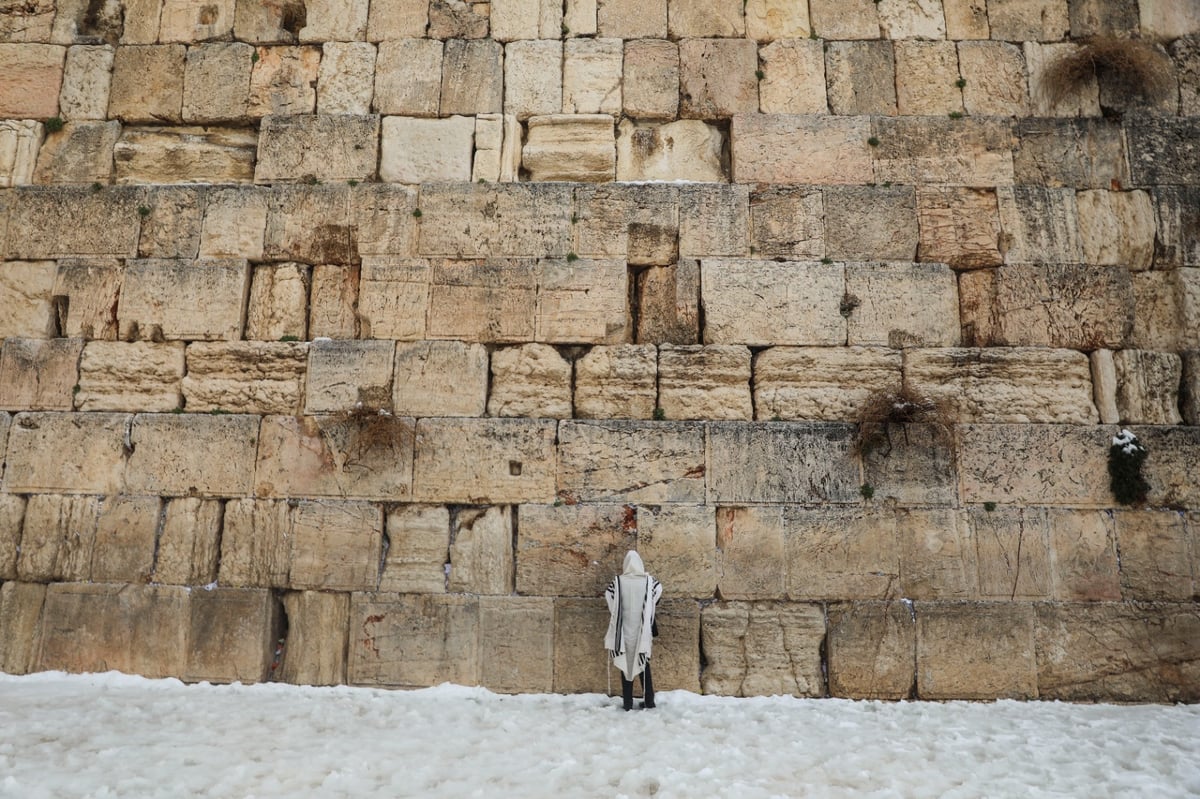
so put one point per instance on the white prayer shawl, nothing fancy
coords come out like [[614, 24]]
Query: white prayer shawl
[[632, 597]]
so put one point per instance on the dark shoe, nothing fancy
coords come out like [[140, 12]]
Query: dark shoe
[[647, 705]]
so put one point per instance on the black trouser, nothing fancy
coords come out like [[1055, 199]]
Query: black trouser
[[647, 689]]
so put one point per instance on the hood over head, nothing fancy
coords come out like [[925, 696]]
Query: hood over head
[[633, 563]]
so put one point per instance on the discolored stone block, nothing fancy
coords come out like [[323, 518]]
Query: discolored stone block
[[578, 625], [245, 377], [861, 77], [33, 76], [716, 78], [454, 19], [133, 376], [393, 298], [20, 626], [902, 305], [255, 544], [793, 70], [1028, 20], [189, 544], [59, 537], [769, 20], [1148, 386], [914, 465], [410, 640], [484, 460], [12, 514], [481, 551], [792, 148], [937, 554], [82, 152], [1081, 153], [839, 19], [345, 79], [751, 560], [789, 222], [496, 220], [283, 81], [632, 19], [418, 549], [1039, 225], [147, 83], [39, 374], [325, 148], [638, 223], [1163, 151], [678, 151], [440, 378], [570, 147], [28, 22], [58, 222], [679, 543], [1068, 465], [926, 77], [1166, 310], [570, 549], [976, 651], [220, 455], [651, 78], [821, 383], [1155, 562], [472, 77], [958, 226], [705, 382], [785, 462], [761, 303], [705, 18], [317, 638], [1177, 223], [278, 303], [1013, 553], [333, 302], [669, 304], [872, 650], [786, 639], [408, 78], [171, 229], [619, 382], [19, 143], [1083, 559], [185, 155], [335, 546], [342, 374], [920, 150], [267, 23], [631, 461], [994, 78], [395, 19], [184, 21], [67, 452], [232, 635], [216, 81], [592, 76], [1170, 470], [530, 380], [516, 644], [176, 299], [26, 291]]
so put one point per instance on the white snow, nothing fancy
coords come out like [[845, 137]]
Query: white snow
[[1127, 441], [112, 735]]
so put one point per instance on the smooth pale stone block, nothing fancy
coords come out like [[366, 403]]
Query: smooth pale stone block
[[178, 299], [220, 462], [440, 378], [976, 651], [479, 461], [786, 148], [760, 303], [345, 81], [67, 453], [427, 150], [26, 292], [33, 77]]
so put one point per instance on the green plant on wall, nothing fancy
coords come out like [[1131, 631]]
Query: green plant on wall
[[1125, 459]]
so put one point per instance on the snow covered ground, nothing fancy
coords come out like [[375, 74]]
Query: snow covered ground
[[111, 735]]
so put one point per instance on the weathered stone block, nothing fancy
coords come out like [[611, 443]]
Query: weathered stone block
[[396, 19], [496, 220], [716, 78], [994, 75], [334, 21], [872, 650], [171, 229], [21, 625], [618, 382], [440, 378], [484, 461], [764, 302], [185, 155], [788, 222], [345, 80], [86, 80], [263, 23], [870, 223], [861, 77], [255, 544], [56, 222], [1103, 18], [472, 77], [1164, 151], [408, 77], [12, 513], [342, 374], [1039, 225], [914, 465], [1189, 390], [637, 223], [918, 150], [201, 300], [648, 462], [246, 377], [335, 546], [393, 298], [232, 635], [1082, 153], [669, 304], [33, 76], [1083, 555], [572, 550], [1040, 61], [189, 545], [705, 382], [67, 452], [937, 554], [331, 148], [706, 18], [418, 550], [220, 455], [39, 374], [679, 541], [333, 302], [779, 463], [1170, 471], [1148, 386], [1167, 310], [278, 303], [283, 81], [794, 69], [533, 78], [768, 20], [1104, 386], [82, 152], [28, 22], [19, 143], [902, 305], [839, 19], [147, 83], [592, 76], [1068, 465], [516, 644], [713, 220], [958, 226], [1028, 20], [184, 21], [679, 151], [481, 551], [1013, 553], [579, 18], [137, 376], [572, 147], [786, 639], [525, 19], [826, 384], [1155, 561], [578, 625], [976, 651], [317, 638], [651, 78], [785, 148], [314, 224], [926, 78], [26, 291], [497, 148], [59, 537], [234, 222], [1177, 219], [455, 19], [216, 86], [530, 380], [413, 641]]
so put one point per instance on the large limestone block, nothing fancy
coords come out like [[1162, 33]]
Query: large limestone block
[[269, 23], [676, 655], [911, 19], [282, 81], [861, 77], [652, 462], [579, 18], [926, 77], [902, 305], [86, 80], [788, 222], [1040, 61], [705, 18], [335, 546], [440, 378], [235, 219], [408, 78], [1177, 219], [216, 81], [966, 19], [1189, 390], [1171, 470], [651, 79], [332, 307], [26, 291], [496, 220], [82, 152], [418, 549], [751, 561], [232, 636], [1163, 151], [705, 382], [246, 377], [59, 538], [334, 21], [28, 22], [1006, 385], [828, 384], [396, 19], [578, 625], [497, 148], [318, 637], [20, 626], [484, 460], [1083, 544], [481, 551], [994, 79], [147, 84], [184, 21], [765, 302], [717, 77], [870, 223], [525, 19], [67, 452], [574, 147], [914, 465], [918, 150], [762, 649], [55, 222], [189, 545], [872, 650], [570, 549], [137, 629], [794, 71], [255, 544], [472, 77], [1155, 562], [33, 76], [135, 376], [39, 374], [19, 143], [844, 19], [1168, 20], [669, 304], [1103, 18], [220, 455], [367, 456], [632, 19], [592, 76], [12, 514], [383, 217], [89, 289], [959, 226], [413, 641], [582, 301], [342, 374], [278, 303], [1186, 53], [172, 227], [185, 155], [533, 78], [1167, 310], [329, 148], [516, 644], [976, 651], [1039, 225], [714, 220], [1013, 553], [784, 462], [455, 19], [679, 543], [1148, 386], [769, 20], [618, 382], [786, 148], [1067, 465], [1056, 305], [1082, 153], [393, 298], [345, 80], [684, 150], [937, 554], [1117, 652], [639, 223], [1028, 20], [530, 380], [201, 300]]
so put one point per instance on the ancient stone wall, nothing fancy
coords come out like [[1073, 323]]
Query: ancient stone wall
[[352, 341]]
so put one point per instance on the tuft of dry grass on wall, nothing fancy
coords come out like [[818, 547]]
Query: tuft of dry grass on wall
[[1130, 67], [366, 430], [884, 410]]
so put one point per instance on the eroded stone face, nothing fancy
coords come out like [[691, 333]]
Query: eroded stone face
[[440, 378], [572, 549], [785, 637], [618, 382], [872, 650], [232, 635], [902, 305], [67, 452], [412, 640], [39, 374], [484, 460], [704, 382], [317, 638], [784, 462], [134, 376], [201, 300], [764, 302], [631, 462], [221, 453], [972, 651], [787, 148], [34, 74]]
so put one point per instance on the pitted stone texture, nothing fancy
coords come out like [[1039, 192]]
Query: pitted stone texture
[[926, 77], [315, 224], [994, 75], [1189, 390], [317, 638], [716, 78], [1028, 20], [147, 84], [794, 70], [911, 19], [220, 458], [570, 147], [785, 637], [418, 549], [86, 79], [126, 540], [189, 544], [530, 380], [784, 462], [263, 23], [1148, 386], [19, 143], [1155, 562], [332, 308], [1039, 225], [440, 378], [828, 384], [185, 155], [455, 19], [1167, 306], [959, 226], [705, 18], [33, 76], [788, 222], [414, 641], [496, 220], [1186, 52], [685, 150], [283, 81], [525, 19], [246, 377], [870, 223], [1013, 553], [705, 382], [651, 79], [713, 220], [1103, 18], [1068, 465], [1056, 305], [255, 544], [408, 78], [1083, 546], [28, 22], [839, 19], [67, 452], [533, 78], [481, 551], [937, 554], [58, 222], [572, 550], [216, 81], [982, 650], [184, 21], [59, 538], [644, 462], [913, 466], [82, 152], [1081, 153], [393, 298], [1177, 219], [171, 229], [768, 20], [669, 304], [872, 650], [234, 222], [765, 302], [679, 541], [472, 78], [334, 21], [335, 546], [919, 150], [509, 629], [39, 374], [1176, 459], [26, 292], [1118, 652], [861, 76], [202, 300], [579, 18], [639, 223], [1164, 151], [619, 382], [328, 148], [278, 303], [632, 19], [397, 19], [592, 76], [12, 514], [136, 376], [20, 626], [484, 460], [342, 374], [786, 148], [345, 78], [1006, 384]]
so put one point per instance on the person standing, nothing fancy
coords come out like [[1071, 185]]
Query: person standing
[[632, 598]]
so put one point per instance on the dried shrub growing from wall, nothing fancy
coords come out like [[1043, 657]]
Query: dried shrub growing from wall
[[367, 431], [884, 410], [1128, 67]]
